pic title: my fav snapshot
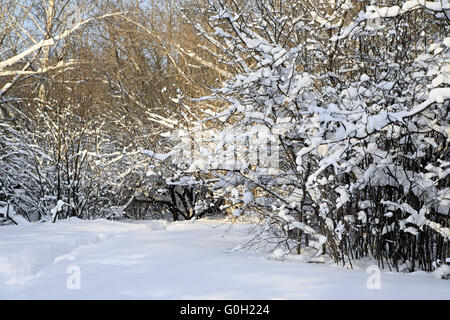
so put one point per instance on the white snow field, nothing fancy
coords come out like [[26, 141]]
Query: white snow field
[[182, 260]]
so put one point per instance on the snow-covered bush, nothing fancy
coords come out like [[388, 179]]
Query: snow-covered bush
[[71, 170], [354, 99]]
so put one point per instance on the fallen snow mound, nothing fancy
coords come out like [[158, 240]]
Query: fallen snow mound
[[26, 249]]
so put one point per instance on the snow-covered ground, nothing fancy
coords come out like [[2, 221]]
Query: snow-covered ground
[[182, 260]]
